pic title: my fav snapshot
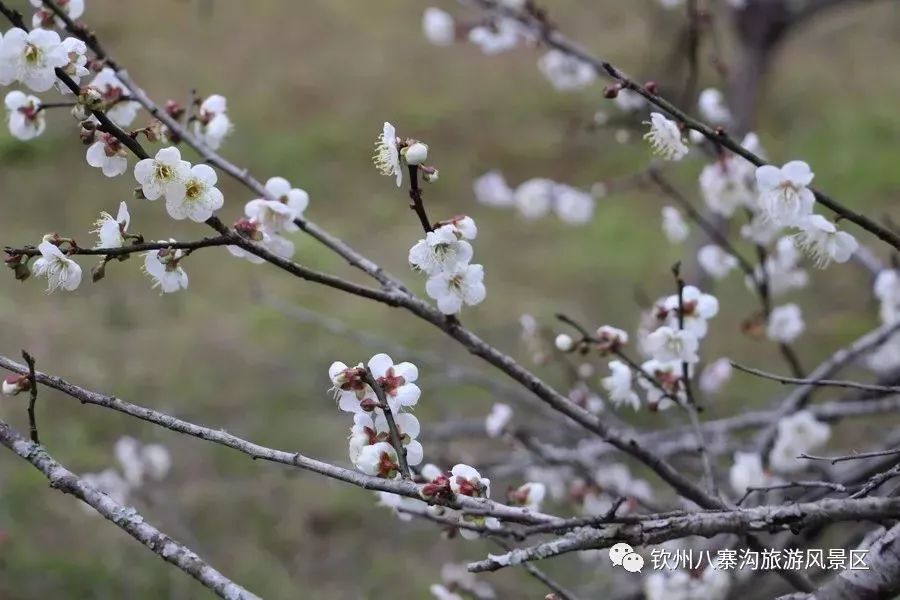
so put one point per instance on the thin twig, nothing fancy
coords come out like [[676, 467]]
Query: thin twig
[[890, 389], [32, 399], [856, 456]]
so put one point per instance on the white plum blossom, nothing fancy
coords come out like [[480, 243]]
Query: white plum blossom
[[378, 460], [25, 117], [823, 242], [196, 196], [797, 434], [441, 250], [667, 344], [715, 375], [533, 198], [618, 385], [60, 270], [698, 309], [467, 481], [350, 389], [673, 225], [887, 290], [748, 472], [31, 57], [668, 375], [396, 380], [611, 337], [785, 323], [463, 284], [44, 17], [464, 227], [438, 26], [387, 154], [163, 267], [368, 429], [564, 343], [885, 359], [156, 174], [491, 189], [111, 230], [138, 461], [530, 495], [713, 108], [495, 37], [572, 206], [665, 138], [715, 261], [111, 483], [278, 215], [108, 154], [121, 112], [497, 420], [567, 73], [211, 123], [783, 193], [726, 187], [76, 68]]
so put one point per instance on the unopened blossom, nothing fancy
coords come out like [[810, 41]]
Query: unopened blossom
[[697, 308], [823, 242], [715, 261], [196, 196], [76, 68], [610, 338], [747, 472], [726, 187], [438, 27], [464, 227], [211, 124], [673, 225], [534, 198], [14, 385], [121, 112], [571, 205], [441, 250], [783, 193], [491, 189], [530, 495], [378, 460], [715, 375], [157, 174], [618, 385], [463, 284], [414, 153], [60, 270], [665, 138], [785, 323], [111, 230], [466, 481], [387, 154], [497, 420], [667, 344], [713, 108], [797, 434], [495, 37], [278, 214], [25, 117], [163, 267], [108, 154], [31, 57], [396, 380], [565, 72], [629, 100], [44, 17], [564, 343]]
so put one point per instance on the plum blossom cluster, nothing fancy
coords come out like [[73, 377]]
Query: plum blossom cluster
[[536, 198], [797, 434], [266, 219], [138, 465], [444, 256], [495, 35]]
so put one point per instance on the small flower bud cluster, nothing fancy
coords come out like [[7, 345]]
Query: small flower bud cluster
[[393, 155]]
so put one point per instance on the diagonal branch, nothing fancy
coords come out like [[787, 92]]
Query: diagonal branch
[[126, 518]]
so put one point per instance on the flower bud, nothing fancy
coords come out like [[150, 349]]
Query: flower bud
[[21, 271], [564, 343], [88, 132], [98, 272], [430, 175], [15, 384], [611, 91], [90, 98], [174, 109], [416, 153], [80, 112]]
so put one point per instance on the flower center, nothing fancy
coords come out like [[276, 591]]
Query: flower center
[[194, 190], [163, 172], [32, 54]]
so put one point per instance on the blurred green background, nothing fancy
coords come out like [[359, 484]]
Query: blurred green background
[[308, 84]]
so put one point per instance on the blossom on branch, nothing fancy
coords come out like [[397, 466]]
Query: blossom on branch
[[784, 197], [60, 270], [462, 284], [797, 434], [211, 124], [278, 215], [438, 27], [387, 154], [823, 242], [715, 261], [44, 17], [567, 73], [495, 37], [111, 230], [195, 197], [497, 420], [674, 225], [441, 250], [665, 138], [108, 154], [164, 268], [396, 380], [785, 323], [76, 68], [155, 175], [619, 385], [26, 119], [31, 57], [667, 344], [120, 111]]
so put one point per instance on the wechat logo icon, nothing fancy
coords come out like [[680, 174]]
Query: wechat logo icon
[[623, 555]]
